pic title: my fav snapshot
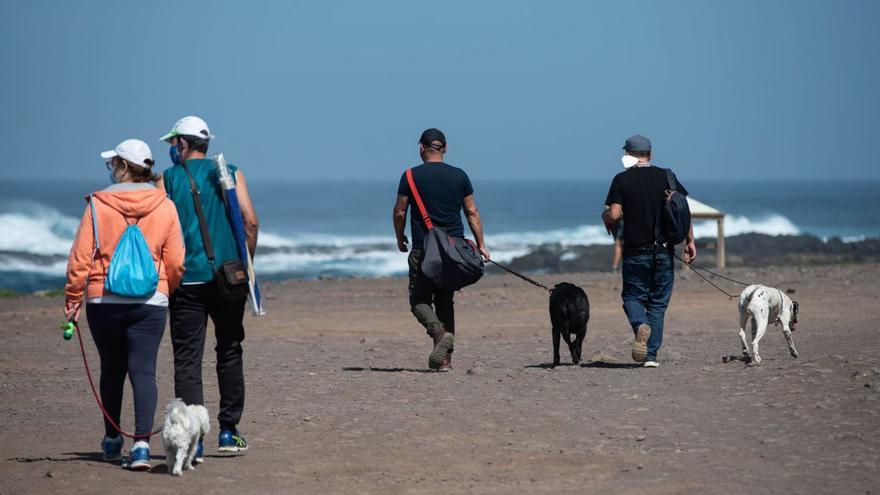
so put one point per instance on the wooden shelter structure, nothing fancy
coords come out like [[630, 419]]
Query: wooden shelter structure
[[702, 211]]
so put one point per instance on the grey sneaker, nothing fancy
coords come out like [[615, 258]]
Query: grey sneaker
[[440, 353], [640, 344]]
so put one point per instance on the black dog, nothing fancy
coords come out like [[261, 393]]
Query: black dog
[[569, 313]]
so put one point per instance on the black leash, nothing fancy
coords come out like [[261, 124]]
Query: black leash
[[527, 279], [694, 269], [693, 265]]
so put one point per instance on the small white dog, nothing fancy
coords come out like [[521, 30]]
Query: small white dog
[[184, 425], [765, 305]]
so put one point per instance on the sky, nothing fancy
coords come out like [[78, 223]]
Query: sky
[[524, 90]]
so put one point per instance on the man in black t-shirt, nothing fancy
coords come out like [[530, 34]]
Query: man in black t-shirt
[[445, 190], [638, 194]]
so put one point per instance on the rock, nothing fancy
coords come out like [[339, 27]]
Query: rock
[[474, 371]]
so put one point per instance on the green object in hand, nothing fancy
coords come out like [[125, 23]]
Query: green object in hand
[[68, 327]]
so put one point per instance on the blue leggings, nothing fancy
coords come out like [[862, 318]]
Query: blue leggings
[[128, 337]]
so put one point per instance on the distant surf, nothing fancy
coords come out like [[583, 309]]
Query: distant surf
[[43, 236], [342, 229]]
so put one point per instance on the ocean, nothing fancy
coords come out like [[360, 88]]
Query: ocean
[[343, 229]]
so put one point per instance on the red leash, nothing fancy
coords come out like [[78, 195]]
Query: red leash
[[82, 349]]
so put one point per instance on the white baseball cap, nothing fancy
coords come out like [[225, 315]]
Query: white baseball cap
[[132, 150], [189, 126]]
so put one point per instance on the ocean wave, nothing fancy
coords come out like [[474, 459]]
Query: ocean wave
[[44, 235], [773, 224], [38, 229]]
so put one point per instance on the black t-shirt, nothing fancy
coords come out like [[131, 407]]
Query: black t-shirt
[[442, 188], [640, 191]]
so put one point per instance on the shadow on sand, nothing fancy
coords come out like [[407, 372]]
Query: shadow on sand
[[388, 370], [591, 364]]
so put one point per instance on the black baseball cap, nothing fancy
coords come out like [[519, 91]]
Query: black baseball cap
[[637, 143], [432, 135]]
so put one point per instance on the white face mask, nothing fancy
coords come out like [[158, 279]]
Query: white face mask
[[629, 161]]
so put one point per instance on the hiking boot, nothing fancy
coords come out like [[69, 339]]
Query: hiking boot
[[139, 457], [443, 342], [199, 457], [231, 441], [112, 448], [640, 344]]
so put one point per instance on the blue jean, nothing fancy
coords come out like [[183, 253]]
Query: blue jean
[[647, 288], [127, 337]]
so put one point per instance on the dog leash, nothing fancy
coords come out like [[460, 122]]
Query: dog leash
[[82, 349], [694, 268], [694, 265], [520, 275]]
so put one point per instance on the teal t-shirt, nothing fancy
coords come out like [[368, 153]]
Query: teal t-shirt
[[178, 188]]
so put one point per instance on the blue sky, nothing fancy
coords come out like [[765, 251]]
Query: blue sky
[[773, 90]]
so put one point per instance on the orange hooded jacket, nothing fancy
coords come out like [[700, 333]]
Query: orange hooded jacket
[[116, 207]]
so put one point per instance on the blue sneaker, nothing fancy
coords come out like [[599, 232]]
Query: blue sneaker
[[139, 457], [200, 453], [231, 441], [112, 448]]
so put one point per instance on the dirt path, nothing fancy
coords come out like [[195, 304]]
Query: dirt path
[[339, 400]]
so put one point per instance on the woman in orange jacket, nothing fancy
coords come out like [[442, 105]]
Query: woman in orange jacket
[[127, 331]]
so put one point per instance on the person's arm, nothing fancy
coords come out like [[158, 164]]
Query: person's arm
[[174, 252], [78, 266], [690, 247], [611, 216], [398, 218], [248, 215], [473, 219]]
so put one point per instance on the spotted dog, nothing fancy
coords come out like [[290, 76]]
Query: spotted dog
[[765, 305]]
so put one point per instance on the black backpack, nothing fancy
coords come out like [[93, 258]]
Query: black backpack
[[675, 215], [448, 262]]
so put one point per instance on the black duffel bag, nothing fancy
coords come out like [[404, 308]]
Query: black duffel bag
[[449, 262]]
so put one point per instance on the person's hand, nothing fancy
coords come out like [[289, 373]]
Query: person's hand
[[690, 252], [610, 227], [485, 253], [402, 242], [72, 310]]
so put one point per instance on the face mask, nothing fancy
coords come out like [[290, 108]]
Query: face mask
[[175, 155], [629, 161]]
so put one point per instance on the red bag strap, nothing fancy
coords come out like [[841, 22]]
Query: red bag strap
[[418, 198]]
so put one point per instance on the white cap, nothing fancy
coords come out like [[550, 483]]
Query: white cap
[[189, 126], [132, 150]]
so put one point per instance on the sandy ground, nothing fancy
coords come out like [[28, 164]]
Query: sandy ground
[[339, 399]]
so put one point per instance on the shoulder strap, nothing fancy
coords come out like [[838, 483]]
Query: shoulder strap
[[670, 179], [418, 198], [203, 226], [94, 224]]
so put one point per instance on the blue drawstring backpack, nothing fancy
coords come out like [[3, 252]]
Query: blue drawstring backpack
[[132, 271]]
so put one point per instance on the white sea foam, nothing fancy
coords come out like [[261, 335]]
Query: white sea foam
[[34, 235], [773, 224], [36, 229]]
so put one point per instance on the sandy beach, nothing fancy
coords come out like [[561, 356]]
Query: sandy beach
[[339, 398]]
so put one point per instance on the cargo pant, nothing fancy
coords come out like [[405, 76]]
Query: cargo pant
[[433, 307]]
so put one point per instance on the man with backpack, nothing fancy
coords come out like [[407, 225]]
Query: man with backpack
[[441, 191], [654, 204], [192, 183]]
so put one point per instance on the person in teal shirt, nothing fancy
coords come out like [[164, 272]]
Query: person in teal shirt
[[198, 296]]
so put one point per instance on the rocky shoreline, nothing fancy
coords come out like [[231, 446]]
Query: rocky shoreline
[[746, 250]]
